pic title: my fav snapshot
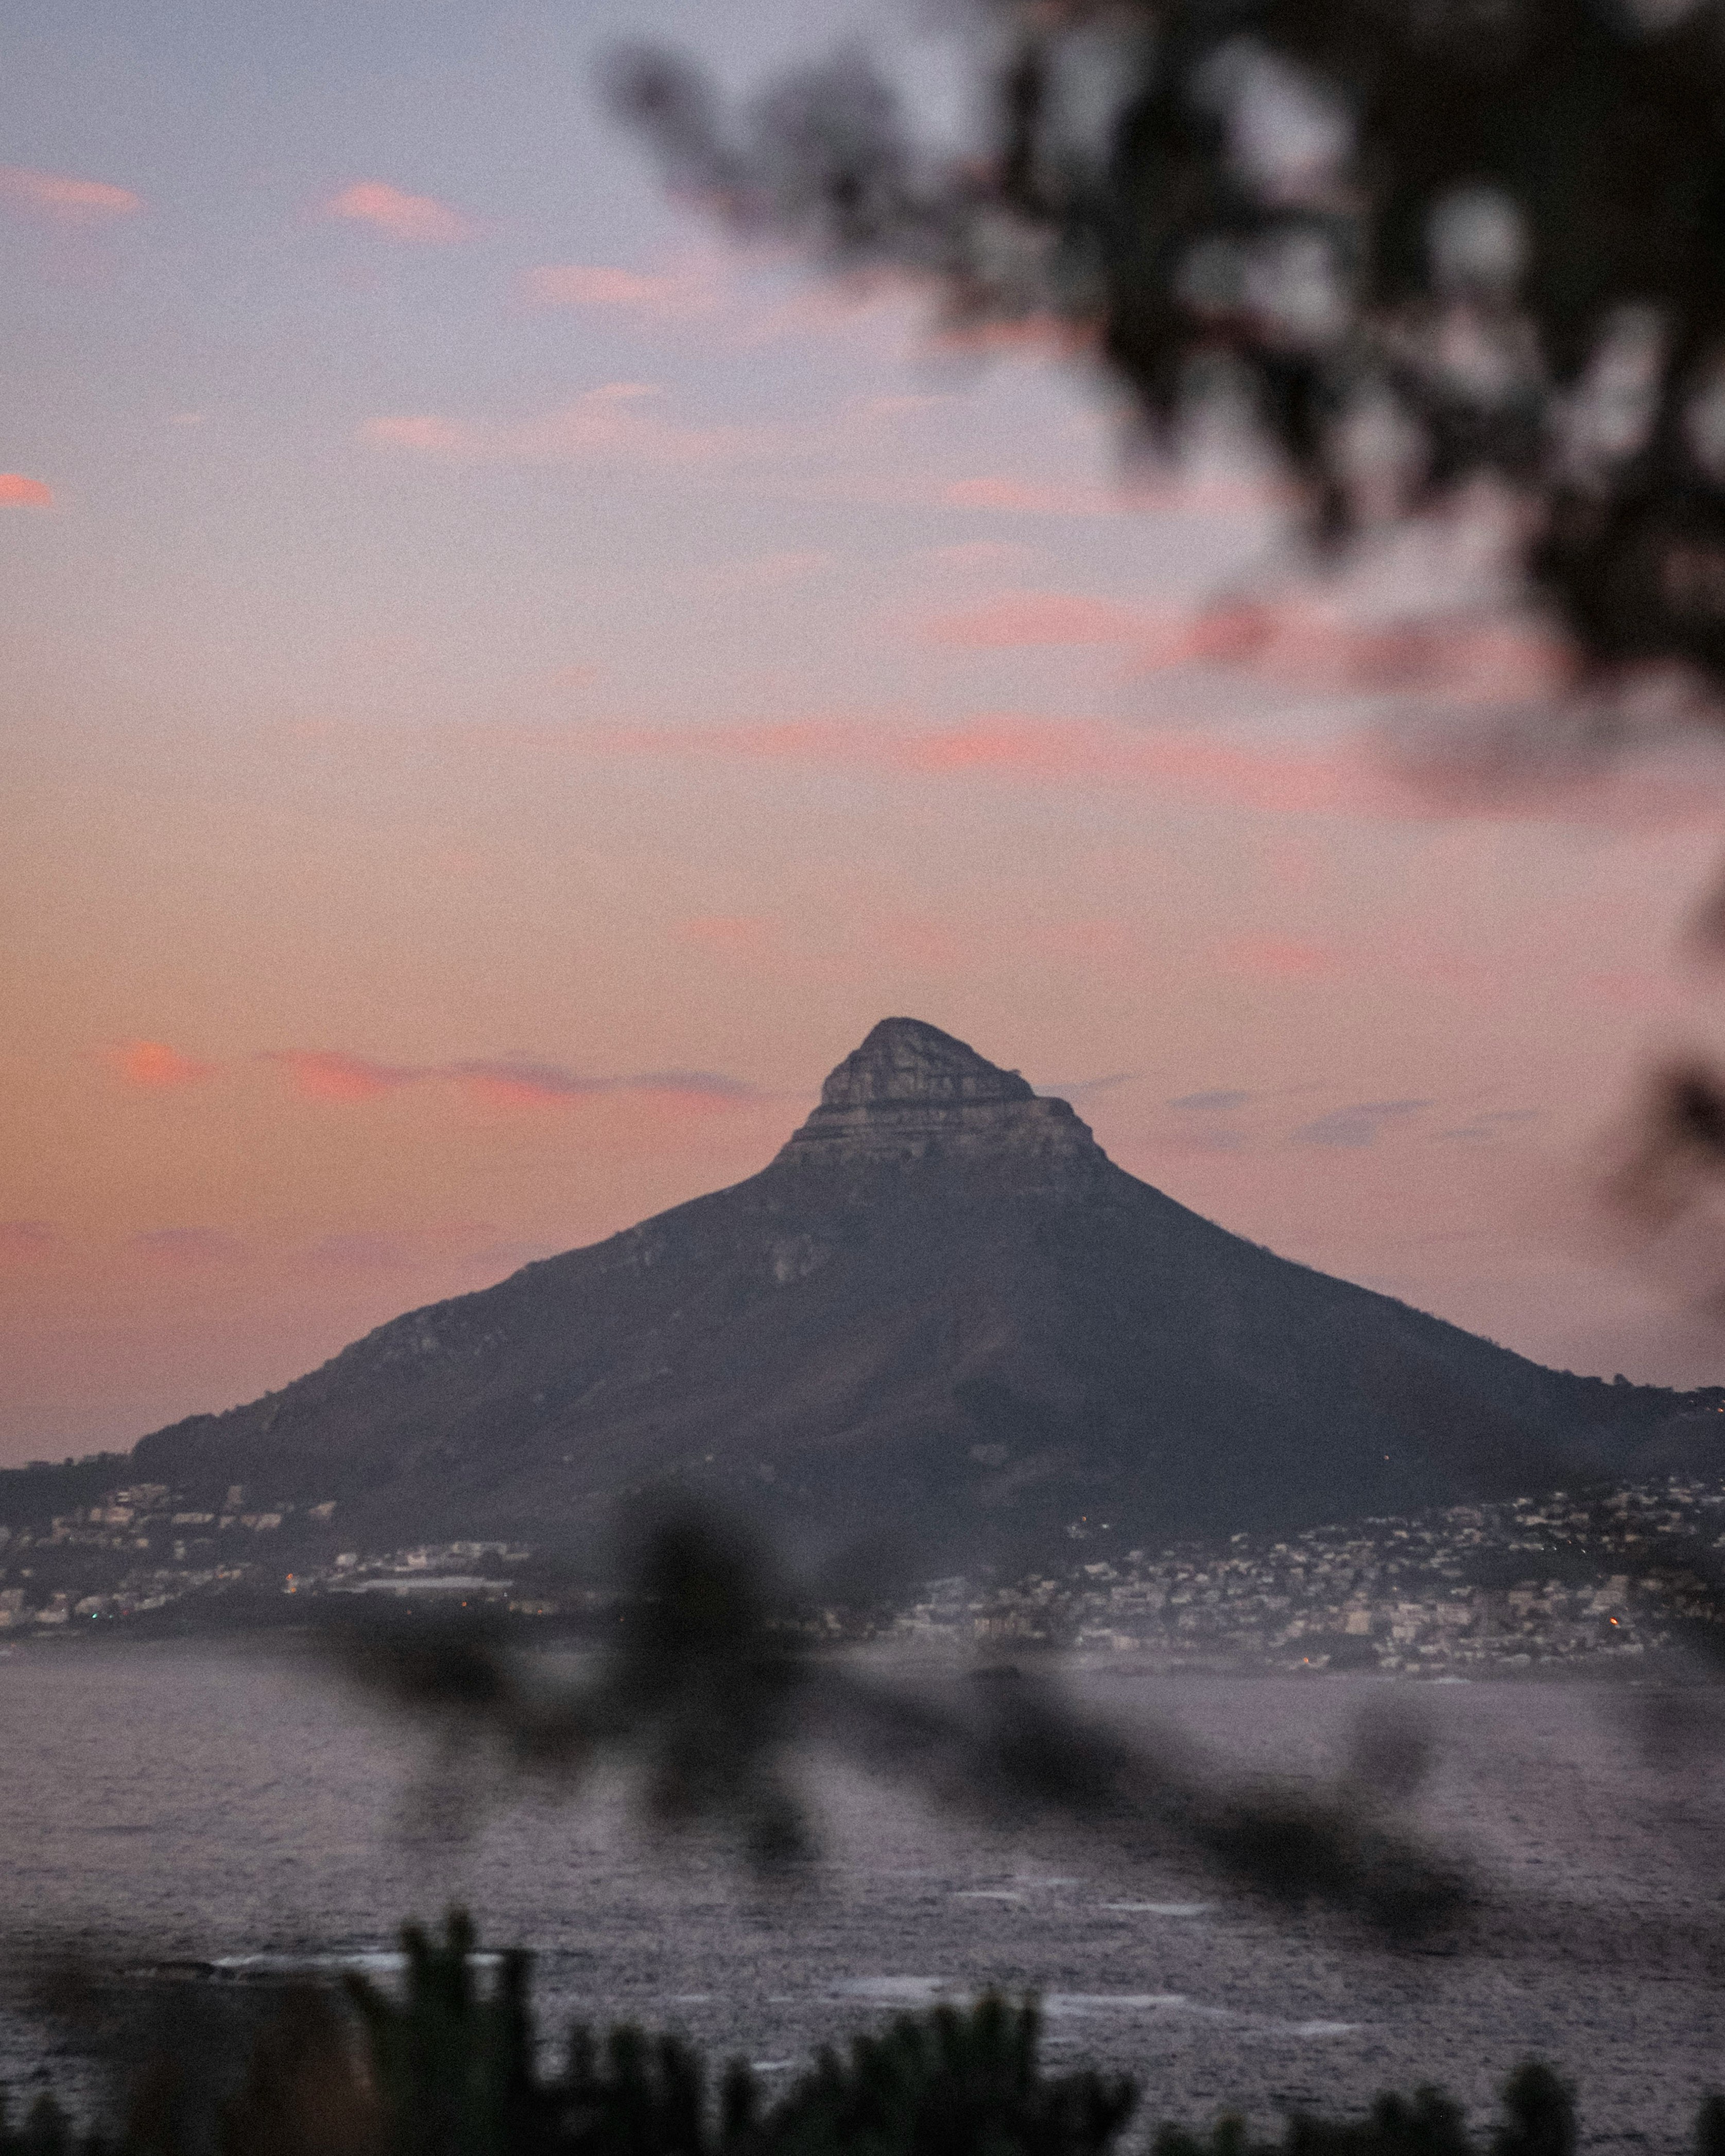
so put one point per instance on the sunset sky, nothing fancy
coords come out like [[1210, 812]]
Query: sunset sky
[[501, 690]]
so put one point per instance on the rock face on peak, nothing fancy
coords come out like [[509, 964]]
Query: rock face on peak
[[941, 1322], [912, 1093]]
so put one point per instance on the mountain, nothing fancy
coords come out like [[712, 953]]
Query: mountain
[[941, 1321]]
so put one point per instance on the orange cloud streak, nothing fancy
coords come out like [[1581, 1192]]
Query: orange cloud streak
[[153, 1065], [328, 1074], [18, 492]]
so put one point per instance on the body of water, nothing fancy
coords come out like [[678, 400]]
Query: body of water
[[172, 1804]]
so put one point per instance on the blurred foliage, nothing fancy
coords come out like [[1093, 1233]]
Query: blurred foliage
[[711, 1689], [1424, 240], [452, 2068], [1415, 243], [1539, 2120]]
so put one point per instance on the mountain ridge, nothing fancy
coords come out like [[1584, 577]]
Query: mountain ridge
[[940, 1318]]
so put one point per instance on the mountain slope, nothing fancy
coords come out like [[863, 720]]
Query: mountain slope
[[940, 1318]]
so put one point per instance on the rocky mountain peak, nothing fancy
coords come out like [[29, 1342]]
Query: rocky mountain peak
[[911, 1092], [904, 1060]]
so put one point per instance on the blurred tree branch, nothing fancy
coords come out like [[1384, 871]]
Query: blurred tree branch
[[709, 1695], [1422, 243]]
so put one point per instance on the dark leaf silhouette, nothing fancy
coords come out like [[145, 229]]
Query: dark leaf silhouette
[[713, 1686]]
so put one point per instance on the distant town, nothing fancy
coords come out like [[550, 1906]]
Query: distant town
[[1457, 1591]]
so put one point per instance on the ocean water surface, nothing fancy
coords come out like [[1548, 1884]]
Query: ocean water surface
[[237, 1809]]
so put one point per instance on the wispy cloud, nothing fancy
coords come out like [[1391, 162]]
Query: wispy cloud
[[618, 423], [1018, 618], [1219, 1102], [1469, 658], [1032, 498], [1277, 958], [155, 1065], [63, 198], [1035, 752], [329, 1074], [1337, 776], [418, 220], [1198, 493], [662, 295], [1357, 1125], [18, 492], [1492, 1125], [25, 1240], [515, 1081]]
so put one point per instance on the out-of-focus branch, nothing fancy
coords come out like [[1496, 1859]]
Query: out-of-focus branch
[[710, 1694]]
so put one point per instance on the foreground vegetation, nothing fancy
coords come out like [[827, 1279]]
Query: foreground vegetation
[[452, 2068]]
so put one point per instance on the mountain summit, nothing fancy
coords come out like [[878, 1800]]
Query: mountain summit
[[912, 1094], [940, 1318]]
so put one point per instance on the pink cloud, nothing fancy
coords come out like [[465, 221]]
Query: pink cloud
[[664, 295], [1465, 659], [63, 199], [867, 304], [615, 422], [1044, 334], [154, 1065], [419, 220], [1345, 776], [328, 1074], [18, 492], [22, 1240], [580, 285], [1025, 497], [1198, 493], [1038, 752], [1014, 618], [516, 1084], [1275, 958]]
